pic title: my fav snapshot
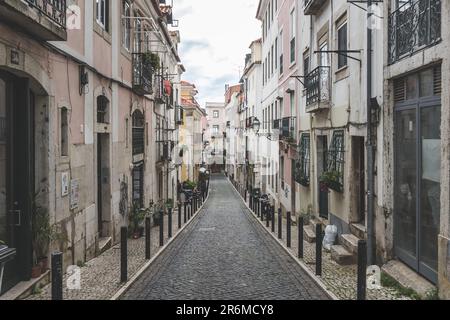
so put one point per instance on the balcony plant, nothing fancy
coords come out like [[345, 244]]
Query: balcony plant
[[331, 180], [151, 59], [189, 185], [136, 220]]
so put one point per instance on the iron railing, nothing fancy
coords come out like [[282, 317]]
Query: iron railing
[[317, 85], [414, 26], [55, 10], [142, 74], [160, 95]]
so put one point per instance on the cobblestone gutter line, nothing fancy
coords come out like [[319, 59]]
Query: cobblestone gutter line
[[100, 277], [337, 280]]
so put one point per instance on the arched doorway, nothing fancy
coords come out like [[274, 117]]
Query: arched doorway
[[17, 174]]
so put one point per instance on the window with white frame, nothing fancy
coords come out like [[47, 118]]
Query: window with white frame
[[293, 31], [102, 13], [126, 24], [342, 44], [216, 114]]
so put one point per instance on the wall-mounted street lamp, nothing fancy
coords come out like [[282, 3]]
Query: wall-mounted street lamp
[[256, 126]]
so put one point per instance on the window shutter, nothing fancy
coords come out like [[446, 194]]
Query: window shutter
[[399, 90], [437, 81]]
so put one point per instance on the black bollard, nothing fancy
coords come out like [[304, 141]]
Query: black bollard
[[57, 276], [300, 237], [258, 206], [251, 201], [280, 224], [179, 215], [245, 195], [288, 229], [268, 215], [123, 254], [148, 228], [362, 270], [318, 249], [273, 218], [161, 228], [169, 231]]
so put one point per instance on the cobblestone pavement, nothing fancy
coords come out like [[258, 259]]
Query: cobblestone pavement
[[340, 280], [100, 277], [224, 254]]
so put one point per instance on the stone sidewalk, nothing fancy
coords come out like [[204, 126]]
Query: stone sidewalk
[[340, 280], [100, 277]]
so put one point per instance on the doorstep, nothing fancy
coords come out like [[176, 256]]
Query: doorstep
[[25, 288], [408, 278]]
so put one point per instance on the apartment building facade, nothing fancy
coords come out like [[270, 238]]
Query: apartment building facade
[[81, 85], [214, 135]]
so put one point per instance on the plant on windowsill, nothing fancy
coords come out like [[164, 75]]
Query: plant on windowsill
[[137, 217], [331, 180]]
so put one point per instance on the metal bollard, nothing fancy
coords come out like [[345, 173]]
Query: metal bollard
[[185, 212], [245, 195], [300, 237], [280, 224], [268, 215], [179, 215], [124, 254], [288, 229], [250, 201], [318, 249], [362, 270], [273, 218], [258, 206], [169, 231], [161, 228], [57, 276], [148, 228]]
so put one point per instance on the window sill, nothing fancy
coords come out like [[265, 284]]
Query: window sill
[[102, 32], [126, 53], [292, 64]]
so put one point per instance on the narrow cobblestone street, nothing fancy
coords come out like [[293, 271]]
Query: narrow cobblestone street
[[225, 254]]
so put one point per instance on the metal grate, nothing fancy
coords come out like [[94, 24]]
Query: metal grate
[[302, 167], [138, 133], [55, 10], [336, 156]]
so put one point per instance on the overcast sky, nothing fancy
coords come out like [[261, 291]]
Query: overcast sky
[[215, 36]]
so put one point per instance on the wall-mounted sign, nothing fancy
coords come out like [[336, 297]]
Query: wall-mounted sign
[[15, 57], [74, 193], [64, 184]]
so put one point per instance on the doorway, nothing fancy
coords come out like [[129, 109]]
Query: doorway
[[418, 173], [103, 185], [322, 160], [16, 174], [359, 177]]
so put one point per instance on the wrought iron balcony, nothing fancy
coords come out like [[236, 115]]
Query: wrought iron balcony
[[43, 19], [414, 26], [158, 89], [317, 85], [288, 129], [277, 124], [142, 74], [312, 7]]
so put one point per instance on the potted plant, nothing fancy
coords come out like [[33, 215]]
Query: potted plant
[[331, 180], [151, 59], [43, 233], [137, 217]]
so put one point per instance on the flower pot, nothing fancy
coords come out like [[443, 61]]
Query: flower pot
[[43, 263], [36, 272]]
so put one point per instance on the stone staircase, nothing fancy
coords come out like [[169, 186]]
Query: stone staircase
[[346, 252]]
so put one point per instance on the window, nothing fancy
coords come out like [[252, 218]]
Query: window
[[292, 43], [126, 24], [138, 186], [282, 172], [137, 34], [138, 132], [302, 168], [102, 13], [216, 114], [215, 130], [271, 61], [305, 64], [336, 159], [276, 53], [342, 45], [102, 109], [64, 122]]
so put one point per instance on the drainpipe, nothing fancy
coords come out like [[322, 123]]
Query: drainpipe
[[370, 146]]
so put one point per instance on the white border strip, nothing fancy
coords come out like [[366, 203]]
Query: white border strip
[[281, 243], [144, 268]]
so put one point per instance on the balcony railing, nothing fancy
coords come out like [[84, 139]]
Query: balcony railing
[[44, 19], [142, 74], [414, 26], [288, 129], [317, 85], [160, 94], [312, 7], [277, 124]]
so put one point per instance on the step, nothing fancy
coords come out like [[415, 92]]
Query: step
[[350, 242], [104, 244], [309, 234], [342, 256], [358, 230]]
